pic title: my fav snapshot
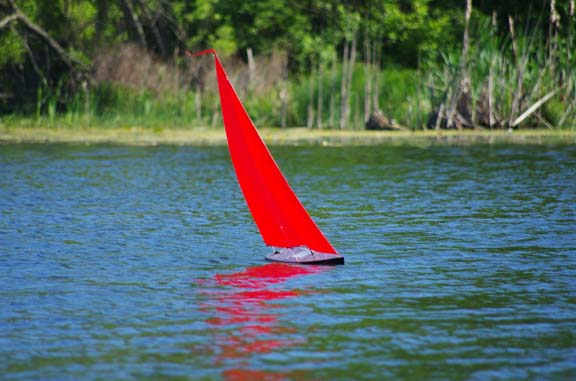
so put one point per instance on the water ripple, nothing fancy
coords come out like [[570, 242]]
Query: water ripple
[[142, 263]]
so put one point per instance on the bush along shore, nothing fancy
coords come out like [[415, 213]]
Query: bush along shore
[[503, 76]]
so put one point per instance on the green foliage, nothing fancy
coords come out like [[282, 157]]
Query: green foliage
[[398, 94], [411, 36], [82, 17], [11, 49], [118, 105]]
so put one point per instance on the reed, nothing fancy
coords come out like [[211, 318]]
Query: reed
[[517, 78]]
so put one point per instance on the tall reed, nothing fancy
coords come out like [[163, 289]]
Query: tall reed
[[519, 78]]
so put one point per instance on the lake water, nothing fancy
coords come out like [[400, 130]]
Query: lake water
[[143, 263]]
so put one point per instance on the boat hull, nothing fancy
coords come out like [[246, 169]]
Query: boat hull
[[304, 256]]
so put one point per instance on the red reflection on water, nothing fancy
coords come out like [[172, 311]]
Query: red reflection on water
[[243, 311], [262, 276]]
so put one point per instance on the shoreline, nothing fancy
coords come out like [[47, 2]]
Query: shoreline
[[140, 136]]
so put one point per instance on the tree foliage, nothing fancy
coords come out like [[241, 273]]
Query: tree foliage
[[33, 31]]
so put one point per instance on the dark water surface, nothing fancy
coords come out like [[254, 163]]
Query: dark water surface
[[121, 263]]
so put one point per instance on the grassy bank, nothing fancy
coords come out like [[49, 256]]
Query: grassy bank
[[274, 136]]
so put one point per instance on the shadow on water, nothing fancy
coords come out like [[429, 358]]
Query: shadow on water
[[243, 319]]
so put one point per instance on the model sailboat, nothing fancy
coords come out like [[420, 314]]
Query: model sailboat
[[281, 218]]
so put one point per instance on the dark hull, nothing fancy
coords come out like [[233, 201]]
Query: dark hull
[[324, 262], [304, 256]]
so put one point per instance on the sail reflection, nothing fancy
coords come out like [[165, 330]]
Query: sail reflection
[[245, 320]]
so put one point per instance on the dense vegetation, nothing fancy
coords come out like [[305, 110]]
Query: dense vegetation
[[325, 64]]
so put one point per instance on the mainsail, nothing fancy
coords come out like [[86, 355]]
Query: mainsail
[[279, 215]]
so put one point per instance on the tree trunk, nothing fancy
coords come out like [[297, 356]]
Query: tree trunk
[[347, 76], [7, 20], [350, 76], [333, 93], [518, 90], [463, 90], [320, 95], [251, 67], [152, 25], [343, 87], [367, 79], [134, 20], [554, 26], [310, 119], [284, 93], [377, 64], [491, 77]]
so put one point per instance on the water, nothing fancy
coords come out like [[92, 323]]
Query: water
[[142, 263]]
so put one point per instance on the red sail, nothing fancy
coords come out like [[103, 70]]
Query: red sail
[[280, 217]]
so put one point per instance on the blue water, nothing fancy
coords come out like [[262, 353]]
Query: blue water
[[143, 263]]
